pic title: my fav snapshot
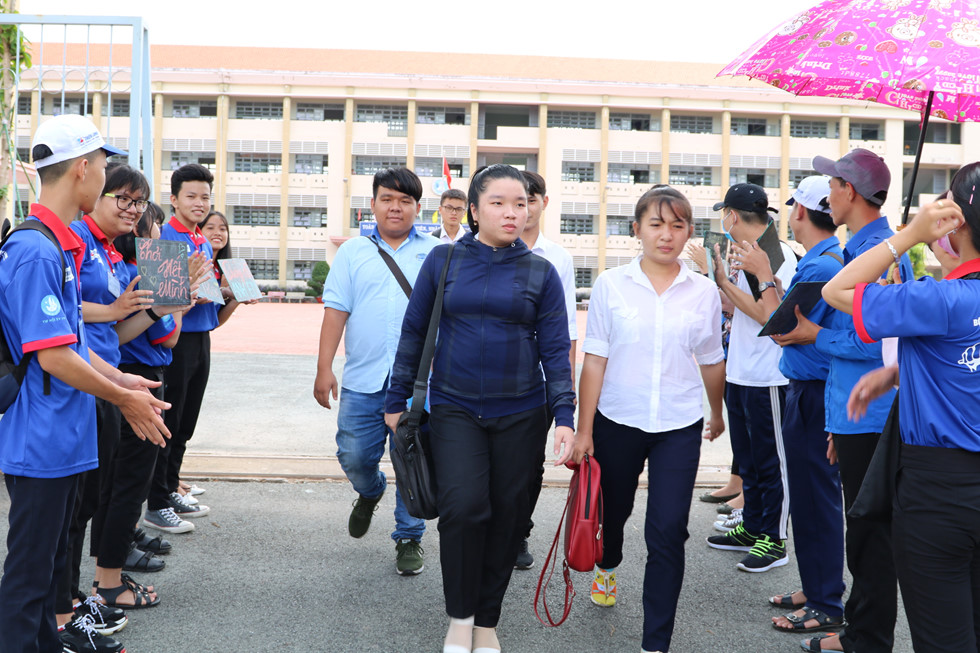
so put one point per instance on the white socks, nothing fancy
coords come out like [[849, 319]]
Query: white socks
[[459, 638]]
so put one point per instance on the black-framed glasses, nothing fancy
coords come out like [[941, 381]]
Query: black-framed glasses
[[124, 203], [454, 210]]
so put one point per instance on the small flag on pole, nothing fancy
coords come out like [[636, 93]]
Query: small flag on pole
[[446, 174]]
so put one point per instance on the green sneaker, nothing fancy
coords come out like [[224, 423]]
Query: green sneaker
[[360, 516], [409, 557], [738, 539], [765, 555]]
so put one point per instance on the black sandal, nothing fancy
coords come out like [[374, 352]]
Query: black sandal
[[786, 602], [139, 560], [156, 545], [141, 597], [812, 645], [798, 621]]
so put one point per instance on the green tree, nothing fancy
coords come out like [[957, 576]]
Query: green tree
[[317, 278], [918, 257], [12, 44]]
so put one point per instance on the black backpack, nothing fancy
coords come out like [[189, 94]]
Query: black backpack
[[12, 375]]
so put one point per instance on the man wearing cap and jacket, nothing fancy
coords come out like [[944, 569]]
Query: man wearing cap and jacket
[[48, 436], [858, 189], [756, 390]]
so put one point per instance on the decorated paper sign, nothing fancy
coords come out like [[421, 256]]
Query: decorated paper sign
[[162, 266], [209, 289], [240, 279]]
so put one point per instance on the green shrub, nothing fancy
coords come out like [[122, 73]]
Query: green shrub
[[318, 277]]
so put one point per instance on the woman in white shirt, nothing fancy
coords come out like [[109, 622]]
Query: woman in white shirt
[[652, 337]]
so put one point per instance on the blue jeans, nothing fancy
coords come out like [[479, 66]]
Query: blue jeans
[[361, 438]]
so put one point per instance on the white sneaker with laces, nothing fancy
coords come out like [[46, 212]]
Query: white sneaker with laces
[[729, 524]]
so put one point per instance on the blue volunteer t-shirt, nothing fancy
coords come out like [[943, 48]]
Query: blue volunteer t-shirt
[[203, 317], [45, 435], [104, 277], [938, 327], [146, 348]]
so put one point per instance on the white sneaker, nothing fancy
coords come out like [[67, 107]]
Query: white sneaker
[[167, 521], [189, 499], [194, 490], [729, 524]]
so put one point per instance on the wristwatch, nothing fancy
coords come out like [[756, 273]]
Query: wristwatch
[[765, 285]]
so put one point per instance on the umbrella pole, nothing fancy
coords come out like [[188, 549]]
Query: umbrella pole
[[918, 155]]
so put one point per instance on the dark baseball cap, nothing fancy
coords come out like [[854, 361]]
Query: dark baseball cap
[[746, 197], [861, 168]]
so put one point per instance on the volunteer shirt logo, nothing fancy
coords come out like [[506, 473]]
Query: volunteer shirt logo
[[971, 358], [50, 305]]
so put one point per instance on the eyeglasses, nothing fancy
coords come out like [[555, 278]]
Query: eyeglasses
[[454, 210], [124, 203]]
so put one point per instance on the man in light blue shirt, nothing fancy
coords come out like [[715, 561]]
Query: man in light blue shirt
[[363, 295]]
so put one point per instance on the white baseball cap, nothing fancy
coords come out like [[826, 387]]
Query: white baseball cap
[[69, 136], [812, 193]]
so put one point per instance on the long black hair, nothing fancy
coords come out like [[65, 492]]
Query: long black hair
[[479, 182], [224, 252], [964, 192]]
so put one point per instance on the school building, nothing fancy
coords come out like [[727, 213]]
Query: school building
[[294, 136]]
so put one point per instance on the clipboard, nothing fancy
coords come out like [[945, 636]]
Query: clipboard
[[805, 294], [769, 243]]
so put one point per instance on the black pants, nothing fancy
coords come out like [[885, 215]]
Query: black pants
[[936, 521], [186, 379], [128, 484], [534, 491], [672, 459], [483, 468], [872, 607], [92, 486], [37, 554]]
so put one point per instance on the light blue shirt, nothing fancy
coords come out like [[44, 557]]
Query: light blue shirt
[[361, 285]]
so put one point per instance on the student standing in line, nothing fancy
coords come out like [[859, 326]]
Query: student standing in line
[[537, 202], [363, 297], [858, 189], [653, 333], [452, 210], [934, 518], [503, 321], [48, 435], [756, 392]]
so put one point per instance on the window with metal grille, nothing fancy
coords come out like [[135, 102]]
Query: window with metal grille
[[572, 119], [24, 104], [749, 127], [310, 164], [195, 109], [71, 105], [866, 131], [441, 116], [807, 128], [313, 111], [572, 223], [255, 216], [619, 225], [309, 218], [691, 176], [368, 165], [432, 167], [248, 110], [628, 173], [764, 178], [796, 176], [692, 124], [303, 270], [577, 171], [381, 113], [120, 107], [206, 159], [258, 163], [584, 277], [263, 268], [636, 122], [357, 216]]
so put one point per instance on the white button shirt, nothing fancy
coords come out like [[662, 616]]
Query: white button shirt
[[653, 345], [562, 260], [446, 238]]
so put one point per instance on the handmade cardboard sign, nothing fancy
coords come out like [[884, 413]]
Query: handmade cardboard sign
[[240, 279], [162, 266], [209, 289]]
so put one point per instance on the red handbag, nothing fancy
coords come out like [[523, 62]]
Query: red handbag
[[583, 535]]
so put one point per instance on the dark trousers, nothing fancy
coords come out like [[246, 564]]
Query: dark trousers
[[37, 553], [872, 606], [936, 522], [186, 381], [483, 468], [815, 498], [755, 430], [672, 463], [129, 476], [534, 491], [92, 486]]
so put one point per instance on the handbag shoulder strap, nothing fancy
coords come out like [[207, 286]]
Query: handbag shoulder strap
[[395, 270], [429, 350], [835, 256]]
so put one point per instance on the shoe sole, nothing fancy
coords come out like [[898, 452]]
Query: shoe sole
[[410, 572], [721, 528], [193, 515], [524, 567], [169, 529], [602, 605], [728, 547], [145, 571], [772, 565], [110, 630]]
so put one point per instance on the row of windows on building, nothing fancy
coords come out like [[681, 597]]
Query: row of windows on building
[[625, 173], [318, 164]]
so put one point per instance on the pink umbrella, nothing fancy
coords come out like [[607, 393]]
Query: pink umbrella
[[921, 55]]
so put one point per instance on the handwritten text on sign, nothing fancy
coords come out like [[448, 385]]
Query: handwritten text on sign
[[240, 279], [162, 266]]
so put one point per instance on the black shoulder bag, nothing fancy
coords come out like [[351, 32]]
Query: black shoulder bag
[[395, 270], [410, 453]]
